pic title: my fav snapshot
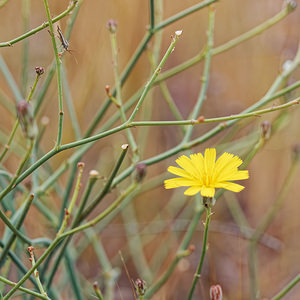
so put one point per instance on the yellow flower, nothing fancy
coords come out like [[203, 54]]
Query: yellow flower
[[204, 174]]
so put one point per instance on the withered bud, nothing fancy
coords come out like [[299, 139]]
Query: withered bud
[[112, 25], [94, 174], [39, 70], [296, 151], [107, 90], [80, 165], [25, 115], [265, 129], [140, 171], [30, 249], [290, 4], [215, 292], [191, 248], [140, 287]]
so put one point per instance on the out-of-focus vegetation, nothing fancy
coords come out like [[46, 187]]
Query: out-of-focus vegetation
[[82, 162]]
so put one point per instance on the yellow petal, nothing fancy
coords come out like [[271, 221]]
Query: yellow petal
[[209, 161], [185, 163], [178, 182], [226, 166], [192, 190], [234, 187], [207, 192], [179, 172]]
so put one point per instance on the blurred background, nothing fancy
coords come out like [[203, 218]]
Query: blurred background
[[239, 77]]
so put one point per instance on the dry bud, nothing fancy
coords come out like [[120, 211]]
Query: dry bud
[[26, 119], [265, 129], [215, 292], [112, 25], [39, 70], [140, 287], [296, 151], [140, 171]]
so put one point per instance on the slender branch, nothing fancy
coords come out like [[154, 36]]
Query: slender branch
[[58, 69], [30, 292], [287, 288], [184, 13], [41, 27], [204, 248], [230, 44]]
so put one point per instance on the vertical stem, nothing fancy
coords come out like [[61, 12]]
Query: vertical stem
[[204, 248], [58, 68], [205, 78]]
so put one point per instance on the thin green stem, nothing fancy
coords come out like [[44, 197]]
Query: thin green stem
[[41, 27], [155, 74], [24, 211], [204, 248], [25, 20], [129, 134], [13, 132], [58, 69], [228, 45], [73, 200], [27, 291], [152, 15], [205, 78], [202, 120], [184, 13], [10, 80], [287, 288], [92, 180], [183, 247], [19, 170], [107, 186]]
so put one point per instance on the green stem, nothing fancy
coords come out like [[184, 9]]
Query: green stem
[[287, 288], [73, 200], [75, 222], [184, 13], [155, 74], [183, 246], [106, 188], [19, 170], [25, 56], [228, 45], [204, 248], [41, 27], [129, 134], [13, 132], [27, 291], [27, 204], [58, 69], [205, 78], [10, 80]]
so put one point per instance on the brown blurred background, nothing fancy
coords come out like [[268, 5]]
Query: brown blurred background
[[238, 78]]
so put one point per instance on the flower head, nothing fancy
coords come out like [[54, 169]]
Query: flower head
[[205, 174]]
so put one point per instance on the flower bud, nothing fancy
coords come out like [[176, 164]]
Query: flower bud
[[140, 171], [296, 151], [140, 287], [39, 70], [215, 292], [112, 26], [291, 5], [265, 129], [25, 115]]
